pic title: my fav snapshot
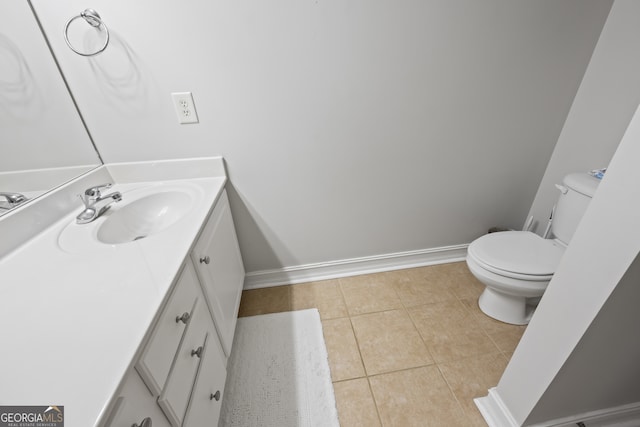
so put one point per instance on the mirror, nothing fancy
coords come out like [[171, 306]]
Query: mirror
[[43, 139]]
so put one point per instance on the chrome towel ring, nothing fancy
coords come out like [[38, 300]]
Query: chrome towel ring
[[93, 18]]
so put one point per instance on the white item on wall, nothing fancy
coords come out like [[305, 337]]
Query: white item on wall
[[185, 107]]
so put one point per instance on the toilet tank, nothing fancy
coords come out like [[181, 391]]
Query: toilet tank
[[576, 192]]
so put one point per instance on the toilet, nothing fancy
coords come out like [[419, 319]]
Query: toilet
[[516, 266]]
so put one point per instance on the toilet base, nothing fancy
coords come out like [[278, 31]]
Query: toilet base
[[516, 310]]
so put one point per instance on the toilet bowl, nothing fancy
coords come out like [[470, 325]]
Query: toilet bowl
[[517, 266]]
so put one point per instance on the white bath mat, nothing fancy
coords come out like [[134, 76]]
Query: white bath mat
[[278, 373]]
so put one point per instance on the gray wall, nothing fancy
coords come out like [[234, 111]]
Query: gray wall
[[602, 371], [350, 129], [604, 104]]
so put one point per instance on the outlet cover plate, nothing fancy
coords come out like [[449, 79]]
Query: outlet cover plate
[[185, 108]]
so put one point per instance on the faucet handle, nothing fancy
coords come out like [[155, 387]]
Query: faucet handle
[[13, 198], [94, 192]]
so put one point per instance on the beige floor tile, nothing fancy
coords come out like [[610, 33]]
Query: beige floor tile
[[324, 295], [505, 336], [344, 355], [394, 277], [356, 407], [446, 274], [389, 341], [451, 331], [473, 414], [265, 300], [507, 341], [416, 397], [471, 378], [426, 285], [370, 293], [489, 324], [464, 283]]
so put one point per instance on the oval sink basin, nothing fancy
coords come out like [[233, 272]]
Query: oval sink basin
[[143, 217]]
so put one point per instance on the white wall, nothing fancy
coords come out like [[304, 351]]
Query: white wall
[[582, 308], [608, 96], [39, 125], [350, 129]]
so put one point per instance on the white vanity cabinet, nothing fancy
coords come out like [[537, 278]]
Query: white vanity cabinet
[[157, 356], [220, 270], [176, 383], [206, 399], [180, 372], [135, 405]]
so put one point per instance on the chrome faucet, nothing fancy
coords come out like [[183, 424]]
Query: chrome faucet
[[95, 204], [13, 200]]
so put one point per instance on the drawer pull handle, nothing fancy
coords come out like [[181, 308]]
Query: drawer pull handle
[[145, 423], [184, 318], [197, 352], [215, 396], [205, 260]]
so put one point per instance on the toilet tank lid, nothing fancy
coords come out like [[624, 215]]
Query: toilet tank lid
[[582, 183]]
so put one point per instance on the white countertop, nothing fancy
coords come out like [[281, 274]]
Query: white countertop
[[72, 321]]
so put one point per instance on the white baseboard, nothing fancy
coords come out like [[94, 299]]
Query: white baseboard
[[354, 266], [494, 411], [496, 414]]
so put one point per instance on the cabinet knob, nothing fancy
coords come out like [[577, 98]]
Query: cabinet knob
[[145, 423], [205, 260], [184, 318], [215, 396], [197, 352]]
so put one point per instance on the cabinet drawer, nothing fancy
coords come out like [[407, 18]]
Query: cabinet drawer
[[219, 266], [156, 360], [134, 404], [206, 399], [175, 396]]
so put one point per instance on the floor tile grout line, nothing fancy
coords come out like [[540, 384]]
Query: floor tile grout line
[[422, 365], [359, 352], [344, 380], [455, 396], [426, 345], [375, 402], [364, 367], [355, 336], [401, 370]]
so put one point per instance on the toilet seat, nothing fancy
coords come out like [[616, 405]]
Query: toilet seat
[[519, 255]]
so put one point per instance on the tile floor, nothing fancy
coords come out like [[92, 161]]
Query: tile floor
[[406, 348]]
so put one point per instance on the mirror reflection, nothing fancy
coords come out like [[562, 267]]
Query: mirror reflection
[[43, 140]]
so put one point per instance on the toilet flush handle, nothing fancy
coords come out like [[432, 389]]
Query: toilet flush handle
[[562, 188]]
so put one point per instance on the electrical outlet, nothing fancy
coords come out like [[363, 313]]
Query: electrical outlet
[[185, 108]]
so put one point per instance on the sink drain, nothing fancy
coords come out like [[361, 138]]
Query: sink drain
[[138, 238]]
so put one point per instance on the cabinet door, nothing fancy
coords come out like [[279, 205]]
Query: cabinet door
[[219, 267], [134, 404], [175, 396], [206, 399], [158, 355]]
